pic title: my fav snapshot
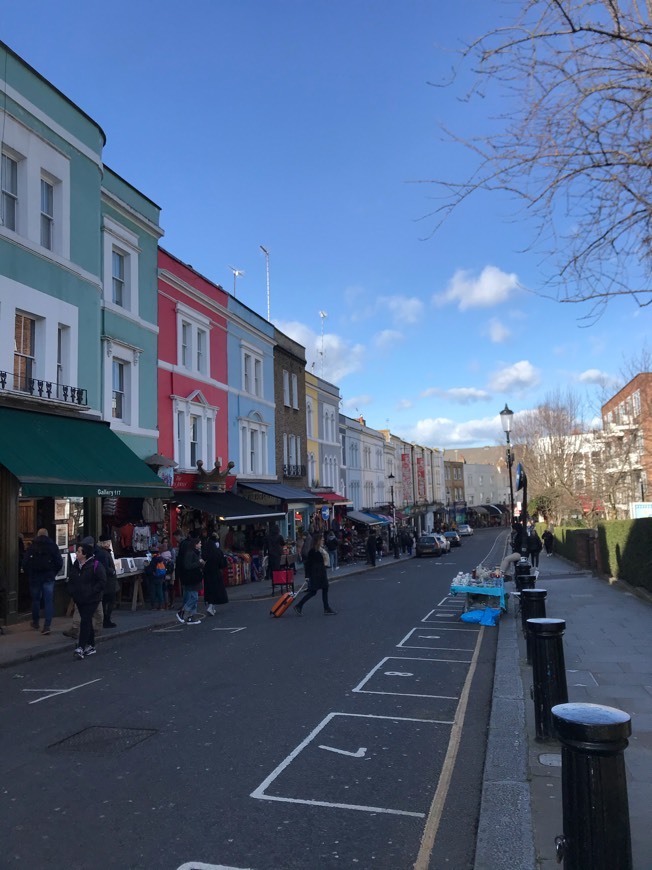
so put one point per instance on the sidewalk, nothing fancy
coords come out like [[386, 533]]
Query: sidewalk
[[608, 657], [20, 643]]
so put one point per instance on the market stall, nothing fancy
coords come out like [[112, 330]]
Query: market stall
[[484, 587]]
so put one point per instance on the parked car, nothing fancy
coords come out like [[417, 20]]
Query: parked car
[[428, 545], [444, 542], [465, 529], [454, 538]]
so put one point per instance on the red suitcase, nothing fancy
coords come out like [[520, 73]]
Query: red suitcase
[[283, 603]]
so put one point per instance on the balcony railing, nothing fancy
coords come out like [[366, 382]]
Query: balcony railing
[[42, 389], [294, 470]]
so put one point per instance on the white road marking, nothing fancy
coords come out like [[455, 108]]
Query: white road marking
[[165, 630], [231, 630], [359, 754], [398, 674], [55, 692], [366, 679], [259, 793], [199, 865]]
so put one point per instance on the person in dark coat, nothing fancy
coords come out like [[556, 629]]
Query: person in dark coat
[[274, 546], [42, 562], [214, 564], [517, 536], [192, 564], [379, 547], [86, 585], [371, 548], [548, 541], [318, 577], [534, 546]]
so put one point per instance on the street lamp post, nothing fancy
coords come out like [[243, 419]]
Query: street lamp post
[[391, 477], [506, 417]]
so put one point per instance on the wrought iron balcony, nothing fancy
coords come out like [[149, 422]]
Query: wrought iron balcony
[[294, 470], [41, 389]]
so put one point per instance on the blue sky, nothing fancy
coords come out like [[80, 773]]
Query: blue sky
[[308, 126]]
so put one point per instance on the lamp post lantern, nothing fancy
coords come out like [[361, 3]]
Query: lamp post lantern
[[506, 417], [391, 477]]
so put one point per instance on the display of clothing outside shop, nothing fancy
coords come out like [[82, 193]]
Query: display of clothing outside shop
[[153, 510]]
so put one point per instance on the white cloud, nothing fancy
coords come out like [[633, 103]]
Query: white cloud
[[405, 309], [517, 378], [491, 287], [341, 357], [404, 404], [498, 332], [442, 432], [357, 402], [387, 339], [595, 376], [462, 395]]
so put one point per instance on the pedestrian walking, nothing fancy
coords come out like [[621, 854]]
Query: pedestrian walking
[[331, 545], [86, 585], [534, 545], [317, 574], [42, 562], [371, 548], [214, 564], [379, 547], [156, 571], [190, 555], [548, 541], [104, 553]]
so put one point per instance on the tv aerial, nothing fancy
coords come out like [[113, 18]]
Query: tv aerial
[[236, 274]]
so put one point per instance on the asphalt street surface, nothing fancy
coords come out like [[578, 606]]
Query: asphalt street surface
[[356, 740]]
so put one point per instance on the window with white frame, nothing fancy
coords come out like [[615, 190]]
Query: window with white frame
[[9, 187], [121, 252], [312, 469], [252, 371], [295, 392], [253, 445], [193, 341], [34, 189], [118, 403], [195, 431], [286, 388], [47, 214], [309, 416], [24, 351], [118, 294], [121, 387]]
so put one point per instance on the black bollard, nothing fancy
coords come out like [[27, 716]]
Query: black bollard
[[548, 672], [533, 606], [594, 787]]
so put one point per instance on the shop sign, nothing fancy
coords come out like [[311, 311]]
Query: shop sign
[[108, 493], [261, 498]]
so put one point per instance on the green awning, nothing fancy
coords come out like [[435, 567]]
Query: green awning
[[59, 456]]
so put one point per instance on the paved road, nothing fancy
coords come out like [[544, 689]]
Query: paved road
[[246, 742]]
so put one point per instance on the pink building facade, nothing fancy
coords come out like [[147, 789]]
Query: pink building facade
[[192, 369]]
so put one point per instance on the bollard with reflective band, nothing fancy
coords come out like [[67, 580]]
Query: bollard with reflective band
[[548, 672], [594, 787], [533, 606]]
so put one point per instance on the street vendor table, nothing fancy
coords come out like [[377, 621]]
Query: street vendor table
[[494, 591]]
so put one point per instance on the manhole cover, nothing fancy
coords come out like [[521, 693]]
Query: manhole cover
[[102, 739]]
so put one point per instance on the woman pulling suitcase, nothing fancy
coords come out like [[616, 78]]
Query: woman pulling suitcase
[[317, 576]]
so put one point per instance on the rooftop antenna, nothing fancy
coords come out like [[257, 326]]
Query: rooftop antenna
[[323, 316], [266, 253], [236, 274]]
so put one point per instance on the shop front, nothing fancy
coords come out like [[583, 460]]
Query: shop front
[[57, 472], [299, 505]]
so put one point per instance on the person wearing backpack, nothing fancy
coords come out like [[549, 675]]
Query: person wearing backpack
[[86, 585], [156, 571], [41, 563], [332, 545]]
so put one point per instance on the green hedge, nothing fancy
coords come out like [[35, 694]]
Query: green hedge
[[625, 548]]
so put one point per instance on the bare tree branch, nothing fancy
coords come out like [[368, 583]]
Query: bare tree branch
[[574, 149]]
